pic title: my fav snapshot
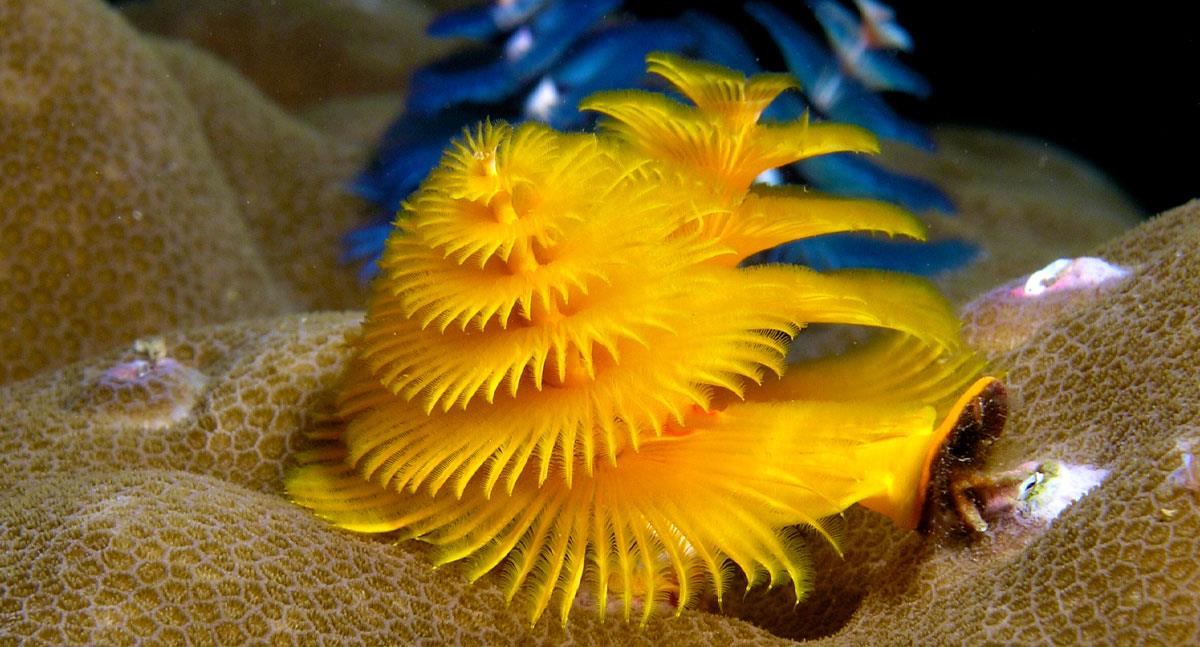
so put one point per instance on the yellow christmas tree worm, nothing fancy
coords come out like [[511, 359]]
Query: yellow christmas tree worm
[[565, 374]]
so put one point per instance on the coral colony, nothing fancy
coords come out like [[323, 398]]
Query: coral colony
[[568, 374], [537, 59]]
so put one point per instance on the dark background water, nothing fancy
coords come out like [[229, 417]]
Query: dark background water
[[1119, 87]]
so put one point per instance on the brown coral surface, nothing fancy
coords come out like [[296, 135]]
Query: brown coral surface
[[96, 553], [290, 180], [302, 51], [261, 381], [1112, 384], [113, 212], [175, 558], [147, 186]]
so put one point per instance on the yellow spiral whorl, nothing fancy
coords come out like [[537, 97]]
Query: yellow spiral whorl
[[565, 371]]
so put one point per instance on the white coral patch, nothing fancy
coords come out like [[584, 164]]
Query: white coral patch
[[1072, 274], [1054, 486], [1188, 474]]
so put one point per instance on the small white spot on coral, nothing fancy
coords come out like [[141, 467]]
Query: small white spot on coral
[[1054, 486], [1070, 274], [1188, 474]]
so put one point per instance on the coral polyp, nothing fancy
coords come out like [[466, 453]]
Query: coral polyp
[[566, 374]]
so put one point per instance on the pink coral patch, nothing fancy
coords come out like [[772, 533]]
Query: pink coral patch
[[150, 391], [1007, 316], [1069, 274]]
